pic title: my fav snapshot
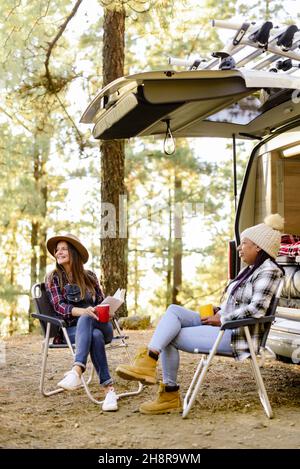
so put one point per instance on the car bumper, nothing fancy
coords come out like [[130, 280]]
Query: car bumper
[[284, 339]]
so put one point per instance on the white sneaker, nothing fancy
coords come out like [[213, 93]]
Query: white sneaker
[[110, 402], [71, 381]]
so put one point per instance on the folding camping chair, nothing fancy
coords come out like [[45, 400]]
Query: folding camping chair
[[204, 364], [51, 324]]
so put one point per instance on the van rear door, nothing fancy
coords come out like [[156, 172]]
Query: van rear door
[[211, 103]]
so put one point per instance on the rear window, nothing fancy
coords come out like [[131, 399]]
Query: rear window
[[242, 112]]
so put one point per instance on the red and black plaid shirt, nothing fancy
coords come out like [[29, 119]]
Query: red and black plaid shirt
[[58, 297]]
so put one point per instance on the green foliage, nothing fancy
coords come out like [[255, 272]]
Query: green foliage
[[43, 148], [267, 10], [34, 102]]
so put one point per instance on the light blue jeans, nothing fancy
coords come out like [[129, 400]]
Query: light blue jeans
[[90, 336], [181, 329]]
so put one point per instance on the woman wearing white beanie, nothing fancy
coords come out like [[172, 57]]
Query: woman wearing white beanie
[[248, 295], [266, 235]]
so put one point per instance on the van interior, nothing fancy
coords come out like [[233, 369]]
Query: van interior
[[271, 185]]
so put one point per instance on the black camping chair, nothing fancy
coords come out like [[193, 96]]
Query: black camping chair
[[51, 325], [205, 362]]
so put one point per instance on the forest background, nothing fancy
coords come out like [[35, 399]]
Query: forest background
[[55, 56]]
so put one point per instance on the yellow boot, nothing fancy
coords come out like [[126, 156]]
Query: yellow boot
[[143, 368], [167, 401]]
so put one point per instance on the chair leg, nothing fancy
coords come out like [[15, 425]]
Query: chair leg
[[264, 353], [91, 377], [132, 393], [199, 376], [124, 394], [258, 378], [123, 341], [86, 383], [129, 358], [45, 355], [44, 363]]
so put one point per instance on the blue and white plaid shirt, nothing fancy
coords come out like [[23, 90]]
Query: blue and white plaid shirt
[[251, 300]]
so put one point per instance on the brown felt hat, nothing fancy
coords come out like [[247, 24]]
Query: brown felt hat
[[52, 243]]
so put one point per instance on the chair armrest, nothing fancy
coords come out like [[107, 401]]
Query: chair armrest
[[246, 322], [44, 317]]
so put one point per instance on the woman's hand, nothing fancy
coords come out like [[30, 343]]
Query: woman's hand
[[212, 320], [89, 311]]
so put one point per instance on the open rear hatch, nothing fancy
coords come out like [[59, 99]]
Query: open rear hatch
[[211, 103]]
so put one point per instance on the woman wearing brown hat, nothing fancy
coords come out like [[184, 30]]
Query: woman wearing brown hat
[[78, 311], [248, 295]]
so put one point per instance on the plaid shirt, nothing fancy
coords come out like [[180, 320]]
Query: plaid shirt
[[59, 301], [251, 299]]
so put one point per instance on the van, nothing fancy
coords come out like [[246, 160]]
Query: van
[[226, 99]]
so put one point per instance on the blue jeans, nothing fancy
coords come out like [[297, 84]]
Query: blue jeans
[[181, 329], [90, 336]]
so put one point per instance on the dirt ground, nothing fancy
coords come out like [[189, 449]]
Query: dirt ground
[[227, 414]]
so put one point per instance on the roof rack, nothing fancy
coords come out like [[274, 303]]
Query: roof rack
[[277, 43]]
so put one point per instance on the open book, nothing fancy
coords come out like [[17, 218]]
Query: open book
[[115, 301]]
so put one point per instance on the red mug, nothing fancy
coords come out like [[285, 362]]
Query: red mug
[[102, 312]]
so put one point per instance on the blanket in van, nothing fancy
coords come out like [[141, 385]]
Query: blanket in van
[[290, 295], [290, 245]]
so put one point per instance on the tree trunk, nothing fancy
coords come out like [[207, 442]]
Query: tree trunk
[[44, 199], [12, 326], [113, 224], [136, 277], [34, 232], [169, 258], [38, 260], [33, 268], [177, 258], [267, 13]]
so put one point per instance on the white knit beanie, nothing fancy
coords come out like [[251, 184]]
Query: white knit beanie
[[266, 235]]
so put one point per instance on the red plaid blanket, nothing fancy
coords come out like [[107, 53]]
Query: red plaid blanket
[[289, 239], [290, 245]]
